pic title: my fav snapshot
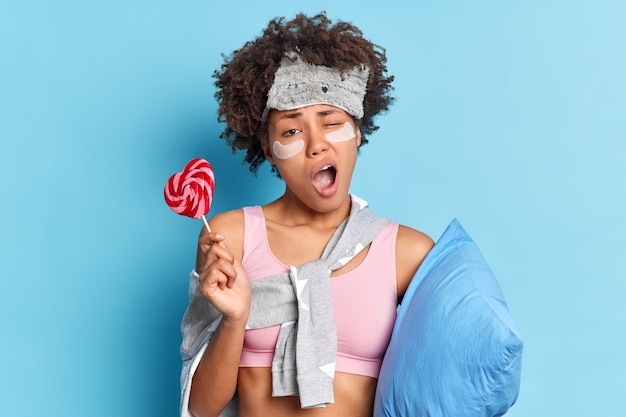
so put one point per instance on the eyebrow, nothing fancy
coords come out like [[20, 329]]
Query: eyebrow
[[295, 114]]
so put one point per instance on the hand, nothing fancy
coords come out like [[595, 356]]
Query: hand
[[222, 279]]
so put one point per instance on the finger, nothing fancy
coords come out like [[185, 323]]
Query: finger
[[230, 282], [219, 273], [211, 281], [209, 252], [206, 240], [214, 254]]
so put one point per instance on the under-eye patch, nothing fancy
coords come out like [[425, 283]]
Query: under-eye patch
[[341, 135], [287, 151]]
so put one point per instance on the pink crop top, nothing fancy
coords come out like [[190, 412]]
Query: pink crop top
[[364, 301]]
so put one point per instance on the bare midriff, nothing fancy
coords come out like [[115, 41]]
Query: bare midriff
[[354, 397]]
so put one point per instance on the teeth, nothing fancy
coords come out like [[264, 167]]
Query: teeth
[[325, 168]]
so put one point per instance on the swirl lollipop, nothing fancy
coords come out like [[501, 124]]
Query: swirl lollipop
[[190, 192]]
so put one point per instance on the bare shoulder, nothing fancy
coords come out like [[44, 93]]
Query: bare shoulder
[[231, 225], [412, 246], [228, 222]]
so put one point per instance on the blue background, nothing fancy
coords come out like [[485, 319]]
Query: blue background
[[510, 116]]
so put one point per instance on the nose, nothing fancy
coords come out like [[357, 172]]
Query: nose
[[318, 143]]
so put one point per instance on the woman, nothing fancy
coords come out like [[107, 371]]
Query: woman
[[301, 96]]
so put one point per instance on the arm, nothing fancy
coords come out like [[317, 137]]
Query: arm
[[223, 281], [412, 246]]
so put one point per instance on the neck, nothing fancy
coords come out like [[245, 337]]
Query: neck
[[290, 210]]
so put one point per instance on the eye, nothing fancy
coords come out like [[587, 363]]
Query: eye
[[334, 125], [291, 132]]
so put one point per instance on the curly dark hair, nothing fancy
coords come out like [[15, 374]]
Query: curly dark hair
[[246, 76]]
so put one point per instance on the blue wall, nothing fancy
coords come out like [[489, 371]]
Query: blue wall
[[510, 116]]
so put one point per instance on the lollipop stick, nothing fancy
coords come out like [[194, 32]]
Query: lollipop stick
[[206, 223]]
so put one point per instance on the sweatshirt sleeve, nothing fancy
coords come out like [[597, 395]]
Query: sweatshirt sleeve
[[198, 325]]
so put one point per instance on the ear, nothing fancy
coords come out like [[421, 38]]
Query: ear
[[358, 136], [265, 145]]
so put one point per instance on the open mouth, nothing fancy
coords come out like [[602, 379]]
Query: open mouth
[[325, 177]]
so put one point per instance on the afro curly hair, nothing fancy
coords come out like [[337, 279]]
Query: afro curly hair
[[245, 77]]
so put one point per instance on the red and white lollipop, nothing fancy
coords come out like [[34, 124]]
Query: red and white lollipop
[[190, 192]]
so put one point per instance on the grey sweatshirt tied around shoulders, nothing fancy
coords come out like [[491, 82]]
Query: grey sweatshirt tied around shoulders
[[301, 302]]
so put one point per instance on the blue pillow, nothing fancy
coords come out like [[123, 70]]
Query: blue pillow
[[455, 351]]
